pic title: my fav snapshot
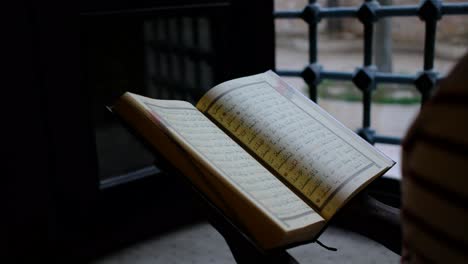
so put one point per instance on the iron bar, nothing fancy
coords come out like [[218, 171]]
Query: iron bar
[[454, 9], [335, 75], [366, 107], [383, 77], [429, 44], [313, 43], [367, 93], [381, 11], [368, 34]]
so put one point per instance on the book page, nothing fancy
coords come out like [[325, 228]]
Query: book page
[[320, 158], [210, 145]]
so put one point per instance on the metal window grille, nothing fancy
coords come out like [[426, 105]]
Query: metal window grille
[[179, 56], [366, 77]]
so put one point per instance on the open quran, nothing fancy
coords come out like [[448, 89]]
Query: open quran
[[272, 160]]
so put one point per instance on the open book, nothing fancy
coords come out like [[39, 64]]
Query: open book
[[275, 162]]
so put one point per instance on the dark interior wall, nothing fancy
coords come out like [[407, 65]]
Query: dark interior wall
[[53, 206], [245, 28], [25, 191], [46, 121], [251, 39]]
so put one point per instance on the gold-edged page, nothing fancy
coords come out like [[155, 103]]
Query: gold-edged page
[[221, 155], [316, 154]]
